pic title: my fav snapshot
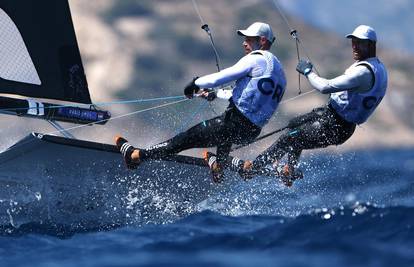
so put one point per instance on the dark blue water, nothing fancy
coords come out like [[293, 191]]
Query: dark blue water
[[354, 209]]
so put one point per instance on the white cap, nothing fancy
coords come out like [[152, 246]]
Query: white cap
[[258, 29], [363, 32]]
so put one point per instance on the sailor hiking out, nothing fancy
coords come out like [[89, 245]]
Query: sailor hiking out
[[260, 85], [353, 98]]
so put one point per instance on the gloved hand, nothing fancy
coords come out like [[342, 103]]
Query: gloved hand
[[191, 88], [208, 94], [304, 67]]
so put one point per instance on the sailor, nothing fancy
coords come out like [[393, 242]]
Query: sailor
[[353, 98], [259, 86]]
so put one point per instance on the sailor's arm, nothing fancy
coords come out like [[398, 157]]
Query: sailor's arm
[[242, 68], [359, 78], [245, 66]]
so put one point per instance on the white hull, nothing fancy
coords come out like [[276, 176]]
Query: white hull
[[80, 185]]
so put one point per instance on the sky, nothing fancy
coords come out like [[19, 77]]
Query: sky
[[392, 20]]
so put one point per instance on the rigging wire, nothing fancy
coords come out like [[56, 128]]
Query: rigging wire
[[187, 123], [161, 106], [110, 119], [216, 55], [198, 11], [298, 43], [277, 130], [206, 28], [295, 36], [153, 108], [298, 96], [293, 33], [122, 115], [100, 104]]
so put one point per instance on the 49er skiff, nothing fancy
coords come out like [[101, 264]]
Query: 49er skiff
[[61, 181]]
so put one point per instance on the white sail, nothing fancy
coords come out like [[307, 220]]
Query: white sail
[[15, 61]]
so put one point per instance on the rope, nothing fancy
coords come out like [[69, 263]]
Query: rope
[[198, 11], [282, 14], [113, 118], [205, 27], [295, 97], [102, 103], [217, 58], [187, 123], [277, 130], [295, 36], [207, 30], [260, 138], [123, 115]]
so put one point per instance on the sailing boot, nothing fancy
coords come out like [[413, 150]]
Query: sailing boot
[[288, 174], [215, 168], [131, 154], [246, 170], [242, 167]]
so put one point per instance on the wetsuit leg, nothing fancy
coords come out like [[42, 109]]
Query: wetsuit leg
[[239, 130], [324, 129], [223, 131], [283, 145], [204, 134], [293, 157]]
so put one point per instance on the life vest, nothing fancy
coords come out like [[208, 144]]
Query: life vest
[[356, 107], [258, 97]]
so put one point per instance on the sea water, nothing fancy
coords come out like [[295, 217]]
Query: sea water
[[352, 209]]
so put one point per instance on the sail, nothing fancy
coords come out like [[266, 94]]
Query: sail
[[39, 54]]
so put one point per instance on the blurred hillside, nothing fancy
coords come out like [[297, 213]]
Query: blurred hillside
[[141, 48]]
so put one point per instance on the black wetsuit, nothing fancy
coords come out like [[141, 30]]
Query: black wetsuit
[[317, 129], [232, 127]]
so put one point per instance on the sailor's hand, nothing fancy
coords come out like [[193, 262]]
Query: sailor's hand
[[208, 94], [191, 88], [304, 67]]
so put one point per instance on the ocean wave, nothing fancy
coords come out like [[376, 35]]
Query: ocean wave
[[357, 235]]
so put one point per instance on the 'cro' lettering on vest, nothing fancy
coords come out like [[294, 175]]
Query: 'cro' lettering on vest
[[277, 92]]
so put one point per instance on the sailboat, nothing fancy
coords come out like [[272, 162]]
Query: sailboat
[[61, 181]]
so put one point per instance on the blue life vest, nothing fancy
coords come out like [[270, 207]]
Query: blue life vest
[[258, 97], [355, 106]]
